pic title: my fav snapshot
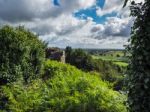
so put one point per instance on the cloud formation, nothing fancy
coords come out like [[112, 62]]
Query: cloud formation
[[27, 10], [86, 33], [58, 26]]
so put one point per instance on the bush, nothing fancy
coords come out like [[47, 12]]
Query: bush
[[21, 98], [79, 58], [68, 90], [75, 91], [21, 55]]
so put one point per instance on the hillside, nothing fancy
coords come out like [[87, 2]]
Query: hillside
[[63, 88]]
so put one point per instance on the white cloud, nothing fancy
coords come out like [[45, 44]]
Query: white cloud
[[110, 7], [60, 28], [86, 33], [115, 6], [118, 27], [27, 10]]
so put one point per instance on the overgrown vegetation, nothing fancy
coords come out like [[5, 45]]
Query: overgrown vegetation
[[28, 86], [139, 68], [108, 70], [67, 89], [21, 55]]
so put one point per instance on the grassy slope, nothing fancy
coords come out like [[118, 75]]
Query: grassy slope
[[65, 89]]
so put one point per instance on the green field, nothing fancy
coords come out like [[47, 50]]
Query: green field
[[123, 64], [117, 57]]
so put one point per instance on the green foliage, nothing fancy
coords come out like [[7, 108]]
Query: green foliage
[[68, 90], [107, 69], [122, 64], [23, 98], [21, 55], [139, 68], [68, 52], [79, 58], [83, 94]]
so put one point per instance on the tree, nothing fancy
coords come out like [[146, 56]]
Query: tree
[[139, 67], [21, 55], [68, 52], [79, 58]]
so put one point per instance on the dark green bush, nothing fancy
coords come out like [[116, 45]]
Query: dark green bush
[[139, 68], [21, 55], [79, 58]]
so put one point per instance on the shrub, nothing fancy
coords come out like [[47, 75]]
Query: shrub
[[22, 98], [76, 91], [67, 90], [21, 55]]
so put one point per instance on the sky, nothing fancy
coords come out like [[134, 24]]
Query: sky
[[76, 23]]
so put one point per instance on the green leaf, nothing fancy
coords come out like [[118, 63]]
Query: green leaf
[[146, 80]]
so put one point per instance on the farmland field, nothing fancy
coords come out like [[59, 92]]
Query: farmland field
[[117, 57]]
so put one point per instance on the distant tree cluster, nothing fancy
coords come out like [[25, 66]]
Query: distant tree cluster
[[79, 58]]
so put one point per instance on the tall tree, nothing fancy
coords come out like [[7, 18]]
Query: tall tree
[[139, 67]]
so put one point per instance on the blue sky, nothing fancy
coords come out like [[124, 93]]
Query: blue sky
[[91, 12], [56, 2], [76, 23]]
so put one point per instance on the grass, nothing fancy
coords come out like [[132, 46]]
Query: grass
[[106, 58], [123, 64], [117, 57]]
